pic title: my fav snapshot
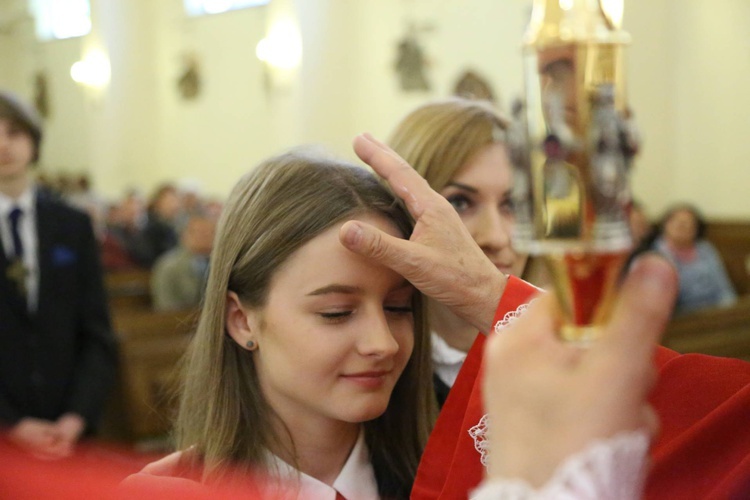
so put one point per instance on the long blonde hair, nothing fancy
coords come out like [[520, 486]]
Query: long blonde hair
[[440, 137], [273, 211]]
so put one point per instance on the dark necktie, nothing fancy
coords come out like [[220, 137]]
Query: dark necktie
[[339, 496], [16, 272], [14, 217]]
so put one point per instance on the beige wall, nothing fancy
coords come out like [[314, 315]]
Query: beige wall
[[690, 85], [688, 74]]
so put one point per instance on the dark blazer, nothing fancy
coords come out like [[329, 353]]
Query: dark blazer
[[62, 358]]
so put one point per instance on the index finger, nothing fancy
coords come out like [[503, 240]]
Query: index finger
[[405, 182]]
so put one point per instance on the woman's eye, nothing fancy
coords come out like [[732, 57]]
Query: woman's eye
[[507, 207], [460, 202]]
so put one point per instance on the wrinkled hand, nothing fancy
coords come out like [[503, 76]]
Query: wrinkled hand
[[440, 258], [547, 399]]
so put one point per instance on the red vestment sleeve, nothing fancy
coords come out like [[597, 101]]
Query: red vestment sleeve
[[703, 402], [703, 450], [444, 446]]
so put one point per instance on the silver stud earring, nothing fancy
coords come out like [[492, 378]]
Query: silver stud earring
[[250, 345]]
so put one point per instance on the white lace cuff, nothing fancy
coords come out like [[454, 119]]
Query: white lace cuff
[[609, 469]]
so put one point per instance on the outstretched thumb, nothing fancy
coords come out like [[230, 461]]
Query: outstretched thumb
[[371, 242]]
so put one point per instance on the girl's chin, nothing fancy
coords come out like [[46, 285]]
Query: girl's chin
[[364, 414]]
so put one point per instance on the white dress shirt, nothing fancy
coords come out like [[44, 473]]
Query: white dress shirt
[[356, 481], [29, 239], [446, 360]]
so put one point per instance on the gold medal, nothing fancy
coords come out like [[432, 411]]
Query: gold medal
[[17, 273]]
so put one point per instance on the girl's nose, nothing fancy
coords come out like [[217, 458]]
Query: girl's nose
[[377, 338]]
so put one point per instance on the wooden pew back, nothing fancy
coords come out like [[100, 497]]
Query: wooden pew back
[[716, 331], [732, 240], [152, 345], [129, 289]]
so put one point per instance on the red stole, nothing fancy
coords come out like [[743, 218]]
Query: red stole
[[703, 403]]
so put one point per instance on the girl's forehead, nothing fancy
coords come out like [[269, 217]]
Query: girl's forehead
[[323, 263]]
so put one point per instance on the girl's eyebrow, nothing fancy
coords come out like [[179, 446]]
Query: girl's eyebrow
[[465, 187], [335, 288], [348, 289]]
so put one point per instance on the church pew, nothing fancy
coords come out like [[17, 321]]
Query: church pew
[[732, 240], [128, 289], [151, 347], [715, 331]]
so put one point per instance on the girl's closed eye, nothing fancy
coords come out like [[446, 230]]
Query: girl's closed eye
[[400, 302], [336, 315]]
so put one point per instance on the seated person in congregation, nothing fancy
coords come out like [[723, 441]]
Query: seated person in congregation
[[179, 276], [162, 217], [704, 281]]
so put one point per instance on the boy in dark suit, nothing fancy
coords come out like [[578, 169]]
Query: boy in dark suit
[[57, 351]]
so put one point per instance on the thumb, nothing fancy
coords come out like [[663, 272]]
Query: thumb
[[383, 248], [643, 309]]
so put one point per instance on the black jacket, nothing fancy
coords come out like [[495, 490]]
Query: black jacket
[[62, 358]]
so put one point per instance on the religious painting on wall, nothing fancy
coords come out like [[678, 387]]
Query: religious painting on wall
[[189, 82], [473, 86], [41, 94], [411, 62]]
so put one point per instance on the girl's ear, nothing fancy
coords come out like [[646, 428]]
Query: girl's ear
[[240, 323]]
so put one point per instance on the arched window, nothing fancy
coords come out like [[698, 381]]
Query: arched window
[[58, 19], [203, 7]]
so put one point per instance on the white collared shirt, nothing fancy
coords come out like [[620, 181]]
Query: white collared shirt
[[446, 360], [356, 481], [29, 239]]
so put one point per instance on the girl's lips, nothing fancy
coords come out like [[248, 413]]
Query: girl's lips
[[378, 373], [371, 379]]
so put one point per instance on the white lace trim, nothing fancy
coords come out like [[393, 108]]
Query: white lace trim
[[511, 316], [479, 432], [608, 469]]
